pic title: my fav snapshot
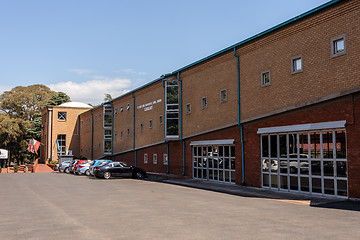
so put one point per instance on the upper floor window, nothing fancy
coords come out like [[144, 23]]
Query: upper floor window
[[204, 103], [62, 116], [223, 95], [121, 109], [128, 106], [296, 64], [161, 119], [188, 108], [265, 78], [150, 123], [338, 45], [172, 109]]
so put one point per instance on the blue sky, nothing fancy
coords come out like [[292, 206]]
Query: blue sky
[[87, 48]]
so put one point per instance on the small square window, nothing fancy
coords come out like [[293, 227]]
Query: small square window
[[165, 159], [161, 119], [145, 158], [296, 64], [188, 108], [204, 103], [338, 45], [62, 116], [223, 95], [265, 78], [155, 158]]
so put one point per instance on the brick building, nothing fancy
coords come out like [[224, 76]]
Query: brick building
[[278, 110]]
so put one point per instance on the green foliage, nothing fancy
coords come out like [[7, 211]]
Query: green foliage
[[53, 162], [16, 168], [57, 99], [107, 97]]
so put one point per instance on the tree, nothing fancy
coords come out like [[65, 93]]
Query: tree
[[107, 97], [25, 102], [57, 99]]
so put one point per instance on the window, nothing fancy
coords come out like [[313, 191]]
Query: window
[[115, 136], [61, 144], [62, 116], [128, 131], [165, 159], [121, 109], [296, 64], [204, 103], [155, 158], [141, 127], [265, 78], [188, 108], [223, 95], [121, 134], [172, 109], [161, 119], [150, 123], [115, 110], [338, 46], [128, 106], [145, 158]]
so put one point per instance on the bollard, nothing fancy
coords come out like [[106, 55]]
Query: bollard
[[26, 169]]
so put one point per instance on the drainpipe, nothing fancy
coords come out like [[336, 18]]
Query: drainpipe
[[239, 124], [181, 122], [49, 143], [92, 134], [132, 95], [164, 119], [112, 130], [168, 163]]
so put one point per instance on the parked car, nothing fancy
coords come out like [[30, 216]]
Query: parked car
[[56, 167], [97, 163], [84, 168], [71, 167], [77, 163], [64, 166], [118, 169]]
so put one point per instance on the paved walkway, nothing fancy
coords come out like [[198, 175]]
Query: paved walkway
[[41, 168]]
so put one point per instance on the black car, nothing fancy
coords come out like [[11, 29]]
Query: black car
[[118, 169]]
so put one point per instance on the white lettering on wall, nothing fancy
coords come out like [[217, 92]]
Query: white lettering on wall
[[148, 106]]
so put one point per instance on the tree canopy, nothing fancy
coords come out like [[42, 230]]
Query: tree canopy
[[20, 117]]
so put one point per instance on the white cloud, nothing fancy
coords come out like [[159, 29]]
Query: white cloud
[[132, 71], [93, 91], [81, 71]]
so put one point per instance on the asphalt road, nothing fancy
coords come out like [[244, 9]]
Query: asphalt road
[[62, 206]]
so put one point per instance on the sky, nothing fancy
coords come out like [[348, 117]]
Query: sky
[[88, 48]]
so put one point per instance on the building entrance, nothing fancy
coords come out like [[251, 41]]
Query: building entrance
[[214, 163]]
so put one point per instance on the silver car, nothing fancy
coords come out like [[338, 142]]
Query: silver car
[[64, 166], [84, 169]]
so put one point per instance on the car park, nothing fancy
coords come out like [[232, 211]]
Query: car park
[[118, 169]]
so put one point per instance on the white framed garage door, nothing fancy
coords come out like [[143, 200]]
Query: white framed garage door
[[214, 162], [311, 161]]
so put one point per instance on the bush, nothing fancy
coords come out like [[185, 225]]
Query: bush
[[53, 162], [0, 169]]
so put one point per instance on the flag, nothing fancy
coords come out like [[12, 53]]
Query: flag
[[57, 144], [33, 146]]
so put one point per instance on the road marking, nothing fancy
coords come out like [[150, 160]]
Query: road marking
[[299, 202]]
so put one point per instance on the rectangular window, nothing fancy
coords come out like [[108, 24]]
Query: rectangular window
[[204, 103], [172, 109], [296, 64], [265, 78], [155, 158], [141, 127], [188, 108], [121, 134], [145, 158], [338, 45], [223, 95], [161, 119], [150, 123], [62, 116], [128, 131], [61, 144], [165, 159]]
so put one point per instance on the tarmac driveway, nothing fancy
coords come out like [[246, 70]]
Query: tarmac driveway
[[62, 206]]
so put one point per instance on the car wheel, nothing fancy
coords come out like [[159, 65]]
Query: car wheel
[[67, 170], [139, 175], [61, 170], [87, 172], [107, 175]]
